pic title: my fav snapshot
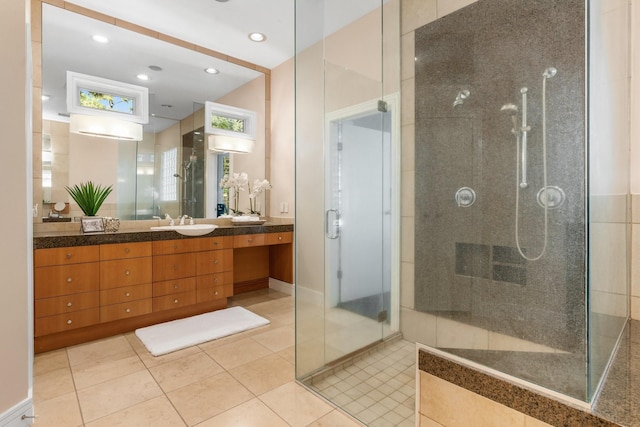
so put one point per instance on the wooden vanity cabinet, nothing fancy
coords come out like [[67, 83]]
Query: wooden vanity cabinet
[[66, 285], [125, 280], [85, 293]]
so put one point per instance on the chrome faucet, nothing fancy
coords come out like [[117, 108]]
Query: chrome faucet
[[171, 221], [183, 217]]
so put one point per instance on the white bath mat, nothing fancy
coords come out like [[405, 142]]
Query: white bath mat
[[166, 337]]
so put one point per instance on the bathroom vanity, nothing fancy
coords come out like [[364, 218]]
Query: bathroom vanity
[[93, 286]]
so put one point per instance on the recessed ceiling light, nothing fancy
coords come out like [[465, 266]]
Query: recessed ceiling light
[[100, 39], [45, 97], [155, 68], [257, 37], [222, 1], [211, 70], [144, 77], [166, 105]]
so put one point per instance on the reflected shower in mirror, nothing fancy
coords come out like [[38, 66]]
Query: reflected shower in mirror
[[170, 170]]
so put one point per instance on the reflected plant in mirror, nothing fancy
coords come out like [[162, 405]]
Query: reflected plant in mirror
[[237, 182], [258, 187]]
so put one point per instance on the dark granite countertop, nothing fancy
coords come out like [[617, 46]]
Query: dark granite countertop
[[56, 239], [617, 405]]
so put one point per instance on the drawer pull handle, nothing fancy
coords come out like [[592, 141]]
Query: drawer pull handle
[[215, 293], [175, 286], [249, 240], [215, 261], [127, 294], [69, 280], [175, 267], [215, 243], [68, 256], [126, 250], [69, 304], [175, 301], [128, 310], [215, 279], [69, 322], [279, 237], [126, 273], [175, 246]]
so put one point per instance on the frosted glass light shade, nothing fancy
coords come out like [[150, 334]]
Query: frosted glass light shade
[[105, 127], [230, 144]]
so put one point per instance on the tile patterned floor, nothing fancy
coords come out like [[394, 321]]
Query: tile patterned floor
[[243, 380], [378, 388]]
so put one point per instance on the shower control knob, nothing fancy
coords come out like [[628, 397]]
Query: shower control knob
[[465, 197]]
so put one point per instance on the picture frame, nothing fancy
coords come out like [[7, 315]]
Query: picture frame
[[92, 224]]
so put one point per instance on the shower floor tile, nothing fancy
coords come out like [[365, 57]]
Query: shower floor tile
[[378, 389]]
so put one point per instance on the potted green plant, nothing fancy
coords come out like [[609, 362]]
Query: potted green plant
[[89, 196]]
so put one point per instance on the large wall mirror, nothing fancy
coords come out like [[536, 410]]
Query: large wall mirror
[[171, 170]]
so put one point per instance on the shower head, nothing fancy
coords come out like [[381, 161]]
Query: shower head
[[510, 108], [460, 97], [549, 72], [177, 175]]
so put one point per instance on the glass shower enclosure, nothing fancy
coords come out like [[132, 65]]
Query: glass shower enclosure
[[347, 182]]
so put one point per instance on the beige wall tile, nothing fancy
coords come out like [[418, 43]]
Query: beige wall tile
[[408, 193], [445, 7], [418, 327], [428, 422], [407, 284], [408, 239], [635, 308], [408, 102], [408, 50], [408, 148], [416, 13], [442, 401], [459, 335], [635, 260], [532, 422]]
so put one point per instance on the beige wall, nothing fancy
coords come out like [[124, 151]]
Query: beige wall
[[15, 174], [282, 139], [252, 97], [635, 160]]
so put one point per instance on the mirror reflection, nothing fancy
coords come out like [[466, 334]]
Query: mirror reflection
[[171, 170]]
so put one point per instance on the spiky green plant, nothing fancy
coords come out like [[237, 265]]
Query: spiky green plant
[[89, 196]]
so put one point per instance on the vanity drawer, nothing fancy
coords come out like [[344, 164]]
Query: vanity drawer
[[174, 286], [167, 247], [213, 280], [66, 279], [248, 240], [66, 322], [124, 310], [125, 272], [67, 255], [125, 294], [66, 304], [168, 267], [215, 243], [125, 250], [168, 302], [215, 293], [214, 261], [278, 238]]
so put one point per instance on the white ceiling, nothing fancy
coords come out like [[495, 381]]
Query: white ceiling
[[221, 26]]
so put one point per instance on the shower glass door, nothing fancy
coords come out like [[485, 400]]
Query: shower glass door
[[357, 229]]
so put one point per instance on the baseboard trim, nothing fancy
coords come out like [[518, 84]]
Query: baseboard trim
[[279, 285], [13, 416]]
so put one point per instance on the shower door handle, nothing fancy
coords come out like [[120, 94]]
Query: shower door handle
[[335, 224]]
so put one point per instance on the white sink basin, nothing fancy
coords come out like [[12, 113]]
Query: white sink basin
[[188, 230]]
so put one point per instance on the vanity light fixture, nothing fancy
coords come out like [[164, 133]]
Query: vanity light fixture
[[100, 39], [211, 70], [144, 77], [230, 144], [257, 37], [105, 127]]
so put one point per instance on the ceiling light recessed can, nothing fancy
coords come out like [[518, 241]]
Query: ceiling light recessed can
[[211, 70], [100, 39], [257, 37], [144, 77], [155, 68]]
